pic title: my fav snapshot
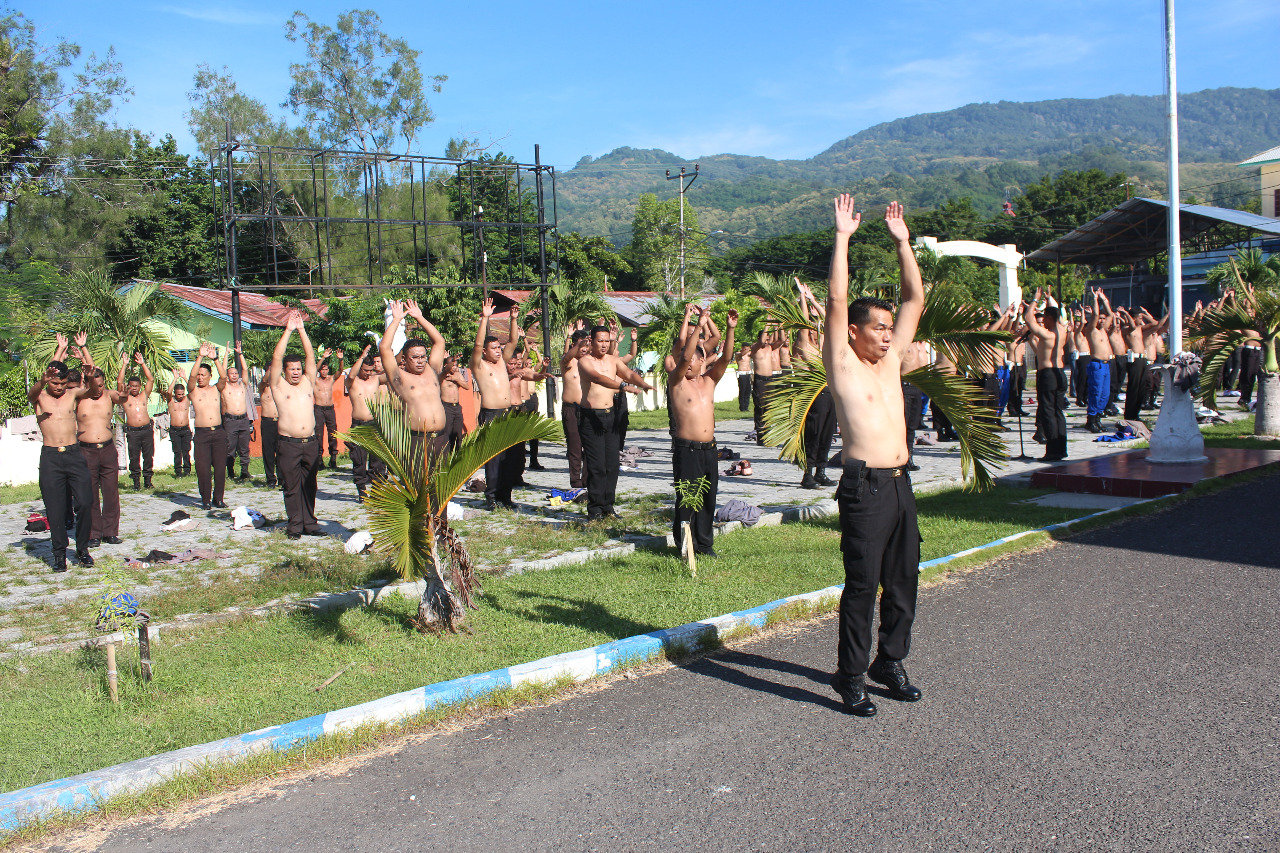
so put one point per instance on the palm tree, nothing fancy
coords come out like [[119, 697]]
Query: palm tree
[[407, 509], [116, 322], [1247, 267], [1251, 313], [948, 324], [567, 303]]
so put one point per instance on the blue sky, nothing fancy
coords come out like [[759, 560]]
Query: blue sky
[[775, 79]]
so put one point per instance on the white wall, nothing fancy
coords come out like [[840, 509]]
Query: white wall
[[20, 458]]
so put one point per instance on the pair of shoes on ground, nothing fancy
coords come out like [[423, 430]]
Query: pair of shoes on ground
[[490, 506], [889, 673]]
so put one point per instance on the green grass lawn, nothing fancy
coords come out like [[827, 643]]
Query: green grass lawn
[[239, 676]]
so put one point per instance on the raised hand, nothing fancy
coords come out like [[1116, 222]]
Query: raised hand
[[137, 357], [82, 339], [324, 353], [731, 319], [846, 220], [633, 333], [239, 350], [338, 353], [486, 309], [412, 309], [896, 224], [60, 339]]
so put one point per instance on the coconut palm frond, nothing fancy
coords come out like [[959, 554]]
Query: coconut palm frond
[[957, 328], [788, 315], [771, 288], [787, 405], [1219, 332], [485, 442], [397, 515], [390, 439], [966, 408]]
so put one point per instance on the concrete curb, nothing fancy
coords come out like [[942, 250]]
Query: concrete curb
[[87, 791]]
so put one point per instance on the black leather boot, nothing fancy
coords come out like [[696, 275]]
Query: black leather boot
[[893, 676], [853, 694]]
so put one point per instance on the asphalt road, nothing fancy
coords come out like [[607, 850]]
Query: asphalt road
[[1119, 691]]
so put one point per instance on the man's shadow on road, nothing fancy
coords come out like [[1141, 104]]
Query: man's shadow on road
[[725, 666]]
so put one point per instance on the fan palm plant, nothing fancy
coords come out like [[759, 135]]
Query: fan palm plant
[[948, 324], [1247, 267], [1250, 314], [407, 509], [116, 322]]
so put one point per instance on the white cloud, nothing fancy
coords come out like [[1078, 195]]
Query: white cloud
[[222, 15]]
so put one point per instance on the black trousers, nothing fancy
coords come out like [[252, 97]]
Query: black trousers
[[238, 430], [180, 439], [601, 445], [454, 428], [502, 471], [365, 467], [819, 430], [1135, 393], [744, 392], [572, 443], [880, 540], [1051, 409], [1017, 386], [299, 464], [530, 405], [913, 411], [1119, 370], [1250, 367], [327, 419], [64, 478], [759, 388], [691, 461], [621, 408], [1082, 379], [141, 442], [211, 463], [104, 490], [270, 436], [1231, 370]]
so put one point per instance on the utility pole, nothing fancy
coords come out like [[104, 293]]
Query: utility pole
[[683, 187]]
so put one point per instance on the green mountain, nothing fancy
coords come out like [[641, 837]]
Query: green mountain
[[984, 151]]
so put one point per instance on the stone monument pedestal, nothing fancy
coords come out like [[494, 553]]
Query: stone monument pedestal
[[1176, 439]]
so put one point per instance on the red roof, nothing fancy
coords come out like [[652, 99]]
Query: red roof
[[254, 307]]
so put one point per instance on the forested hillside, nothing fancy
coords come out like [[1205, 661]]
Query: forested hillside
[[980, 151]]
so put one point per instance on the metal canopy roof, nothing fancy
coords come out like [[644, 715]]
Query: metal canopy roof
[[1138, 229]]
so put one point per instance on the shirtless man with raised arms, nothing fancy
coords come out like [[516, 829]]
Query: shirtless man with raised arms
[[139, 431], [578, 345], [326, 417], [97, 434], [64, 476], [692, 383], [1098, 379], [363, 387], [862, 350], [270, 432], [237, 419], [298, 453], [211, 438], [765, 362], [1049, 339], [175, 396], [489, 359], [418, 382]]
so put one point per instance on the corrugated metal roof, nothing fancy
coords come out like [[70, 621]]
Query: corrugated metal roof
[[255, 309], [1137, 229], [1271, 155]]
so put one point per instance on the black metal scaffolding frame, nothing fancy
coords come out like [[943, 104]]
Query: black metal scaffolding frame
[[232, 178]]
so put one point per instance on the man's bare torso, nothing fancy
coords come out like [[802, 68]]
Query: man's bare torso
[[693, 404], [764, 360], [233, 399], [296, 407], [94, 417], [208, 405], [363, 392], [869, 408], [421, 396], [57, 418], [268, 403], [495, 384], [324, 390], [596, 395], [136, 413]]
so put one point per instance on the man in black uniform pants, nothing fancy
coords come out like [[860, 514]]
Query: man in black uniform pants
[[863, 350]]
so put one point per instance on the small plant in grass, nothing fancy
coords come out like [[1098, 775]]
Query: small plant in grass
[[691, 495], [407, 509]]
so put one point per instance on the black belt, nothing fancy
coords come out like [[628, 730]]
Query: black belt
[[209, 429], [136, 428], [694, 445], [265, 418], [886, 472], [499, 411], [358, 422], [318, 406], [608, 411], [453, 405], [229, 417], [95, 444], [293, 440], [573, 405], [180, 428], [59, 449]]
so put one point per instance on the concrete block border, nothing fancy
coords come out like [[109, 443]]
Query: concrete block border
[[87, 791]]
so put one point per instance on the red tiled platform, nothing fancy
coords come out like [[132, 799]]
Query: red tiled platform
[[1130, 475]]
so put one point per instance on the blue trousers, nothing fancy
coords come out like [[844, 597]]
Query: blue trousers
[[1099, 386]]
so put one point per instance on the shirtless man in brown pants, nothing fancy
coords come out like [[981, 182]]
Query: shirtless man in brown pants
[[237, 420], [326, 418], [179, 423], [98, 446], [210, 438], [453, 378], [139, 431], [692, 385], [292, 382], [363, 387], [64, 477]]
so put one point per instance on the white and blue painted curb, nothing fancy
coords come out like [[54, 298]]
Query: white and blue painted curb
[[87, 791]]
